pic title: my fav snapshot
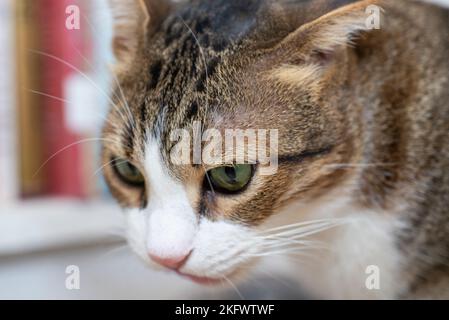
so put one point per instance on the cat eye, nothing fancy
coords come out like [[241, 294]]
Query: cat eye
[[230, 179], [128, 172]]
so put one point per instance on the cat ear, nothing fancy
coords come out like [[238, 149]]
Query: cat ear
[[133, 21], [316, 42]]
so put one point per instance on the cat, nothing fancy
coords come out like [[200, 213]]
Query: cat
[[358, 205]]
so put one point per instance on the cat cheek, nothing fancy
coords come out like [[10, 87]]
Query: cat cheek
[[220, 247], [136, 233]]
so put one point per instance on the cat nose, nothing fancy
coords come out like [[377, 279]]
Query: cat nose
[[171, 262]]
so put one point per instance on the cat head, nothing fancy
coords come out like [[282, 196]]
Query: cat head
[[272, 68]]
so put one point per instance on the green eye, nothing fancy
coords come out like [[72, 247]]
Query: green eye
[[128, 172], [231, 179]]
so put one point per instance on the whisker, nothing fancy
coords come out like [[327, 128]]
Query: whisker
[[123, 98], [115, 250], [358, 165], [299, 224], [295, 234], [72, 103], [69, 146], [297, 230], [300, 251], [289, 242], [282, 281], [234, 286], [208, 180], [106, 164], [84, 75]]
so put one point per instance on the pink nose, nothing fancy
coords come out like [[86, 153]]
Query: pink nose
[[173, 262]]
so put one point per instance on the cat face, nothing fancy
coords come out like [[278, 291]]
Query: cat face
[[223, 66]]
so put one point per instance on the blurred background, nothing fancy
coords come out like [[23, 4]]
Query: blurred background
[[55, 210]]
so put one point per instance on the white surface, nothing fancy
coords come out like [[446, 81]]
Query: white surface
[[81, 114], [38, 225], [106, 272], [8, 163]]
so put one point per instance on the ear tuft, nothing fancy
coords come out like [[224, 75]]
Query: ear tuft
[[336, 33], [133, 21], [321, 37]]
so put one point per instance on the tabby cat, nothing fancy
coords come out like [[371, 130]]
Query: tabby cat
[[358, 205]]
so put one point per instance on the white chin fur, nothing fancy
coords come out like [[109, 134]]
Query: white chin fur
[[219, 248]]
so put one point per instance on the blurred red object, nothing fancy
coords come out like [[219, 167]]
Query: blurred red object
[[62, 51]]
